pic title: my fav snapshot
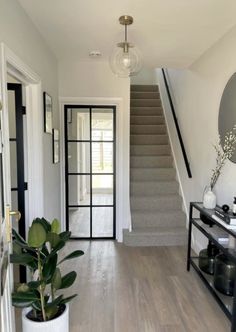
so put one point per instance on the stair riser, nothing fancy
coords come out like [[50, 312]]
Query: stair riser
[[142, 88], [156, 203], [150, 150], [144, 95], [145, 162], [155, 240], [146, 111], [147, 129], [147, 120], [153, 188], [158, 219], [148, 139], [145, 102], [149, 174]]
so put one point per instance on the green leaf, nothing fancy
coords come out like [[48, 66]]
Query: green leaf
[[56, 279], [72, 255], [51, 312], [37, 235], [67, 299], [23, 259], [23, 299], [58, 247], [17, 249], [18, 237], [55, 226], [49, 268], [45, 251], [46, 225], [65, 236], [24, 246], [22, 288], [37, 305], [68, 279], [55, 302], [34, 284], [53, 238]]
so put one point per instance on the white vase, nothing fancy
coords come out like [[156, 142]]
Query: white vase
[[209, 199], [59, 324]]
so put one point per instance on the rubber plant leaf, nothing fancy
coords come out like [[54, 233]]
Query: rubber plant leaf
[[46, 225], [55, 226], [72, 255], [68, 279], [49, 268], [37, 235]]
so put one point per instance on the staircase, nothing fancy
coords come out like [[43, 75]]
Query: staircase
[[156, 207]]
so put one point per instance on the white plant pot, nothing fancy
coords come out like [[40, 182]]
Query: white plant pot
[[209, 199], [59, 324]]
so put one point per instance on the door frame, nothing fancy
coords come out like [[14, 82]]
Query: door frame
[[121, 190], [90, 173], [13, 65]]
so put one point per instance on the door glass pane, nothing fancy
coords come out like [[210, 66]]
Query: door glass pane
[[102, 189], [102, 124], [78, 157], [79, 221], [102, 157], [78, 124], [102, 221], [79, 189], [13, 164], [12, 114]]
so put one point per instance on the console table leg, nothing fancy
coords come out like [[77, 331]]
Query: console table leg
[[189, 237], [233, 321]]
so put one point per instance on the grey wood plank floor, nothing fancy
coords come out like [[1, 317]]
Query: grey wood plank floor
[[142, 289]]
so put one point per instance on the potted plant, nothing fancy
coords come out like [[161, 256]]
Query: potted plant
[[224, 150], [43, 309]]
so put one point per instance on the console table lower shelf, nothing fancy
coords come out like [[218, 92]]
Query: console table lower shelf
[[210, 231], [225, 302]]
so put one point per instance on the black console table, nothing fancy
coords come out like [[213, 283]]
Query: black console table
[[227, 303]]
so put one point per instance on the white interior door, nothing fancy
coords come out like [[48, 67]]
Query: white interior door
[[6, 276]]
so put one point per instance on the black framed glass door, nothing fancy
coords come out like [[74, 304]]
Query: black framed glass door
[[90, 163], [16, 111]]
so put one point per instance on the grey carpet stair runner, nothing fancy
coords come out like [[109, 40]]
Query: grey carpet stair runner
[[156, 206]]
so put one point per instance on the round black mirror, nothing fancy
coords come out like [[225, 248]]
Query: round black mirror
[[227, 112]]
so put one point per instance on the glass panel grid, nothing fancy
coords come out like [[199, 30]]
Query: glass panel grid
[[97, 149]]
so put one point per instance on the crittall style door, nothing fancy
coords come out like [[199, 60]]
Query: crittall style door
[[90, 164]]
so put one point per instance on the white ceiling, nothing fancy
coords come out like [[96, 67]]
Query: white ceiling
[[169, 33]]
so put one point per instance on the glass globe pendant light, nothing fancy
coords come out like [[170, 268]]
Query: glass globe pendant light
[[125, 59]]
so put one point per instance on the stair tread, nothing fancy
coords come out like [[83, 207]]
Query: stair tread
[[159, 230], [144, 87], [149, 124], [160, 196], [177, 213], [148, 106], [154, 181], [147, 145]]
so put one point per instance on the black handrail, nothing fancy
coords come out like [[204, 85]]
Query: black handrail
[[177, 125]]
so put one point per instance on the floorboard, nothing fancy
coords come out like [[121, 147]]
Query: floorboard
[[139, 289]]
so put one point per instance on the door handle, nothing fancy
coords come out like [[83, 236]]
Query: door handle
[[10, 214]]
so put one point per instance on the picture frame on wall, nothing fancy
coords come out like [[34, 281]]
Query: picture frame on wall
[[56, 146], [47, 104]]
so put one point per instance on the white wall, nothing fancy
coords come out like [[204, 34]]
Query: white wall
[[145, 76], [197, 93], [93, 82], [21, 36]]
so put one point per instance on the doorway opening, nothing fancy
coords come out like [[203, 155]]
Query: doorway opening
[[90, 171], [17, 130]]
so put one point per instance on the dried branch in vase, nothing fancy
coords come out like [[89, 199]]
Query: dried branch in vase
[[223, 154]]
